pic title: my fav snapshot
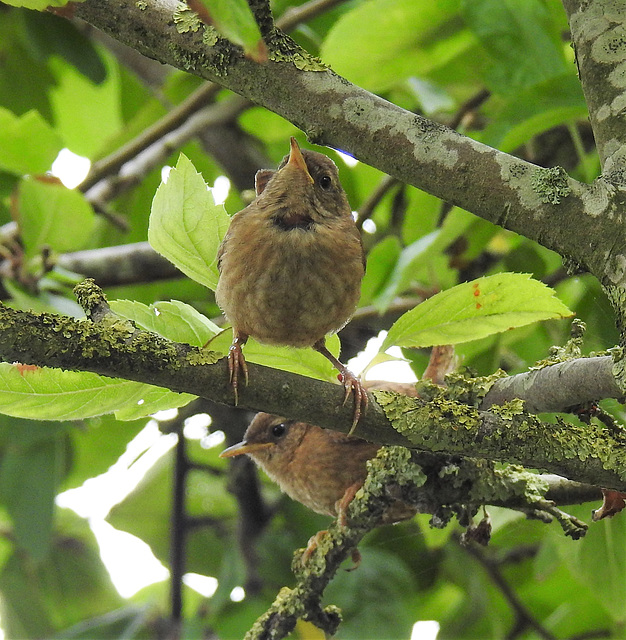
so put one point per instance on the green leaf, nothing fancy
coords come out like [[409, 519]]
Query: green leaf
[[53, 394], [385, 578], [401, 274], [522, 39], [70, 585], [173, 320], [235, 21], [476, 309], [534, 110], [47, 211], [178, 321], [145, 512], [186, 226], [39, 5], [380, 263], [87, 113], [97, 446], [29, 476], [306, 362], [27, 144], [402, 38]]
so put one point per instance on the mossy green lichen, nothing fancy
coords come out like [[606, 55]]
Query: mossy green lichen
[[210, 36], [470, 389], [550, 184], [281, 48], [89, 295], [186, 20], [570, 350], [203, 356]]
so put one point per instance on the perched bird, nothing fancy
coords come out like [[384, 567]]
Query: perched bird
[[291, 265], [320, 468]]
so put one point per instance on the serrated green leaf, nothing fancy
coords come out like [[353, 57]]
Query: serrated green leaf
[[47, 210], [476, 309], [235, 21], [28, 144], [173, 320], [53, 394], [186, 226]]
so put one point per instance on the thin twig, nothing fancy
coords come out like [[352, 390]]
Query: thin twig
[[524, 619]]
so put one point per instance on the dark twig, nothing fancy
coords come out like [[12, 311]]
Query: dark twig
[[178, 528], [524, 619]]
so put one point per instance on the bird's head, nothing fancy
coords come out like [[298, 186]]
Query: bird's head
[[304, 189], [271, 441]]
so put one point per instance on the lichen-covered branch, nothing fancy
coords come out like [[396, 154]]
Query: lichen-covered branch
[[558, 386], [114, 347], [587, 452], [597, 29], [499, 187], [434, 485]]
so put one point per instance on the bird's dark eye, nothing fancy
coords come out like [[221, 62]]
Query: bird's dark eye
[[279, 430], [326, 182]]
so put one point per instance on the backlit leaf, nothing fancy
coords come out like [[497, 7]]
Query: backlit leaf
[[186, 226], [476, 309]]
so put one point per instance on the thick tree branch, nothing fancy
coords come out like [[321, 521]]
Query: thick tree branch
[[557, 387], [120, 264], [496, 186], [114, 348], [598, 38], [443, 488]]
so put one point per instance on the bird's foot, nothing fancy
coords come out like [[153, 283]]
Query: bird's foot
[[356, 558], [353, 385], [341, 506], [237, 364], [314, 542]]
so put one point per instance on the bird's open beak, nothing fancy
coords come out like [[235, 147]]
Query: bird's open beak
[[244, 447], [296, 160]]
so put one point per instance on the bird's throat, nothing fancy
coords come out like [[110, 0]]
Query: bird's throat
[[293, 220]]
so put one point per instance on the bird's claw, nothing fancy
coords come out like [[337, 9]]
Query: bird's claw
[[353, 385], [236, 364]]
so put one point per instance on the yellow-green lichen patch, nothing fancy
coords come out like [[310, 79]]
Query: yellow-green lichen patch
[[300, 59], [551, 185], [468, 389], [186, 20], [203, 356], [210, 36]]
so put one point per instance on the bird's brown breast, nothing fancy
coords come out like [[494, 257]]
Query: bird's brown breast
[[289, 284]]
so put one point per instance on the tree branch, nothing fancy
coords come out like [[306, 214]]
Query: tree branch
[[496, 186], [433, 485], [114, 348], [597, 29], [119, 264], [558, 386]]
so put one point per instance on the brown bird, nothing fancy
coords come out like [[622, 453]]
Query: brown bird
[[291, 265], [320, 468]]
